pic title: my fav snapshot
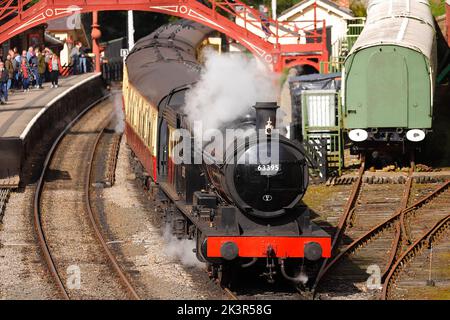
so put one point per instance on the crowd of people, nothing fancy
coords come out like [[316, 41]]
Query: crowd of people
[[31, 68]]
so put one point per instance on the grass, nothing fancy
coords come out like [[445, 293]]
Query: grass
[[437, 7]]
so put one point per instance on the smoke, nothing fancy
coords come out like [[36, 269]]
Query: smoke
[[229, 86], [181, 249], [301, 278], [118, 120]]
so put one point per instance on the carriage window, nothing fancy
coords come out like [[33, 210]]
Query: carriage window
[[149, 132], [154, 131], [177, 99], [141, 119], [137, 114], [133, 109], [147, 126], [163, 102], [130, 106]]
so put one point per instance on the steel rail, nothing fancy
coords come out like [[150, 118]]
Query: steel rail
[[132, 292], [343, 222], [426, 239], [4, 196], [384, 225], [400, 228], [37, 199], [230, 293]]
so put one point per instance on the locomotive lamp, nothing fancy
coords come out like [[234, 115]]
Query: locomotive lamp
[[266, 116]]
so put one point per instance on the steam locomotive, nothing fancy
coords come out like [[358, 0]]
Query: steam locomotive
[[239, 210]]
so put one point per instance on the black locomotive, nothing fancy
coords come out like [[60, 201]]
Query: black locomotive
[[238, 208]]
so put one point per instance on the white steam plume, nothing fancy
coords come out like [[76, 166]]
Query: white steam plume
[[181, 249], [118, 121], [229, 86]]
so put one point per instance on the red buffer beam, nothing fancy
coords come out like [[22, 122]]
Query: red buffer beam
[[279, 44]]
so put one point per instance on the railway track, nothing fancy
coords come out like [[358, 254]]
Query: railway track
[[4, 196], [248, 285], [261, 294], [396, 232], [425, 224], [368, 206], [343, 222], [76, 254], [378, 217]]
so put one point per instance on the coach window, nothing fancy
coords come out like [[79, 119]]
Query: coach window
[[133, 109], [163, 148], [141, 118], [130, 106], [146, 127], [149, 128], [177, 99], [128, 102], [137, 114], [163, 102], [154, 131]]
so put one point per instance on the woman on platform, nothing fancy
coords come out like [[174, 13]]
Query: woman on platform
[[25, 72], [54, 66]]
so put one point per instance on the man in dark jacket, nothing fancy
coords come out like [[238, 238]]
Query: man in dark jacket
[[41, 68], [33, 61], [75, 57], [3, 83], [9, 66], [83, 59]]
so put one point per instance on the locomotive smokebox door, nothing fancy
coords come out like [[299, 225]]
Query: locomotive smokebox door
[[266, 116]]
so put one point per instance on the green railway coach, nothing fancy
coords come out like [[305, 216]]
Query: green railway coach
[[389, 75]]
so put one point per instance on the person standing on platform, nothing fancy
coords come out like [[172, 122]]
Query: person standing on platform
[[3, 83], [47, 54], [83, 59], [10, 68], [25, 72], [30, 53], [33, 61], [75, 56], [54, 66], [17, 65], [41, 66]]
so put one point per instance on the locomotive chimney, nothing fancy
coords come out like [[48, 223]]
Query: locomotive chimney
[[266, 116]]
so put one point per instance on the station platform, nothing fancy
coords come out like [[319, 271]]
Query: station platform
[[29, 115]]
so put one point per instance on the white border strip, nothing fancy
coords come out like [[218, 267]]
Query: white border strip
[[49, 104]]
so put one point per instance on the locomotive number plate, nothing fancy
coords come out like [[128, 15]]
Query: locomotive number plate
[[268, 169]]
